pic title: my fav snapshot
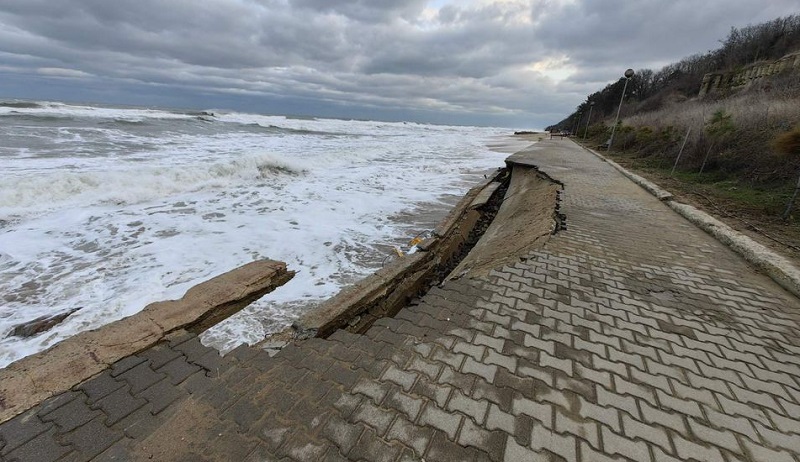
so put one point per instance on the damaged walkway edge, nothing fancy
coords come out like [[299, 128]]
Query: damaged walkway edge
[[387, 290], [775, 266], [30, 380]]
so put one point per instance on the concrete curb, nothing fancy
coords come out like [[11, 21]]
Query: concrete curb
[[774, 265]]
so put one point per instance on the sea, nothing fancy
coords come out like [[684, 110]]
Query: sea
[[106, 209]]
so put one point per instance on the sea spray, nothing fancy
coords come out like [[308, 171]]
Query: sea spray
[[109, 209]]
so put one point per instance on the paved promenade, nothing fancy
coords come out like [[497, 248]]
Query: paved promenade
[[631, 335]]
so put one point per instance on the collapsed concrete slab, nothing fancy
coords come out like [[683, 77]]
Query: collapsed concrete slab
[[392, 287], [32, 379], [525, 221]]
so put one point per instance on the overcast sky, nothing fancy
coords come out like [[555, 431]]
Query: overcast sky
[[513, 63]]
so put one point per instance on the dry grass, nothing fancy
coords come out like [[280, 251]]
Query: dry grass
[[735, 137]]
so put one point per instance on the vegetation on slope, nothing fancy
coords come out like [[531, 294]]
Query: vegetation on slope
[[743, 147]]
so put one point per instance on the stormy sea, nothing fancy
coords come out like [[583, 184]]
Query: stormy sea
[[106, 209]]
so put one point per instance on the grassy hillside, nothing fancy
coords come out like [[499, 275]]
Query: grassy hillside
[[743, 147]]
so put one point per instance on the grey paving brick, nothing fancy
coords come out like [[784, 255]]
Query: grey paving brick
[[475, 351], [118, 404], [439, 419], [606, 415], [492, 443], [563, 365], [460, 380], [100, 385], [71, 415], [450, 358], [370, 447], [428, 368], [433, 391], [125, 364], [138, 424], [525, 386], [215, 364], [21, 429], [508, 362], [444, 450], [652, 434], [300, 447], [161, 395], [42, 448], [672, 420], [55, 402], [342, 433], [687, 449], [497, 419], [413, 436], [683, 406], [758, 451], [541, 411], [535, 371], [373, 389], [712, 436], [159, 355], [564, 446], [407, 405], [514, 453], [140, 377], [580, 428], [192, 348], [404, 379], [622, 402], [379, 419], [618, 444], [486, 371], [92, 438]]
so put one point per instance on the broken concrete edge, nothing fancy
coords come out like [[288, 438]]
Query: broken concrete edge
[[521, 224], [401, 275], [778, 268], [30, 380], [514, 160], [446, 225]]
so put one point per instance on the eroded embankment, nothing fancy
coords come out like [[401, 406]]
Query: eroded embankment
[[528, 217], [514, 210], [511, 214]]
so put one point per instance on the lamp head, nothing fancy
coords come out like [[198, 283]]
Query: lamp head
[[629, 73]]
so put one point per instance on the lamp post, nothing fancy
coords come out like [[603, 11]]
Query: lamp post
[[577, 124], [628, 75], [589, 119]]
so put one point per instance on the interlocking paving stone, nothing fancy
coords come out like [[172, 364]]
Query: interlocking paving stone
[[118, 405], [631, 335], [42, 448], [70, 416], [21, 430], [92, 438]]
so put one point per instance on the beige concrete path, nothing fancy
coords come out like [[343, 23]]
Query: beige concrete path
[[631, 335]]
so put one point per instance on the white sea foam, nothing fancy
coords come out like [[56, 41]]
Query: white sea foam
[[123, 217]]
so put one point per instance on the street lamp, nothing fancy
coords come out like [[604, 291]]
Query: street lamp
[[589, 119], [577, 123], [628, 75]]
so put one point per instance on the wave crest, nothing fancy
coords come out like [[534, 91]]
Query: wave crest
[[25, 194]]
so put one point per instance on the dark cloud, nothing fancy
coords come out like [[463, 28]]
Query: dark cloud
[[523, 62]]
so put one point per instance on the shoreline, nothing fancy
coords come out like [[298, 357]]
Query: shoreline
[[89, 352]]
